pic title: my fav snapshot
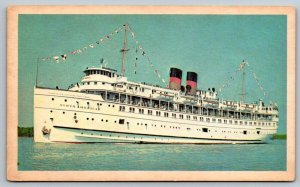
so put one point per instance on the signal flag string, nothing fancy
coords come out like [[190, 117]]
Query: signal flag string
[[242, 66], [79, 51], [139, 47]]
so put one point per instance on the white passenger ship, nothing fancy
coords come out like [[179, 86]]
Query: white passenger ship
[[106, 107]]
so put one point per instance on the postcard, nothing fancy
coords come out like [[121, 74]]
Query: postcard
[[150, 93]]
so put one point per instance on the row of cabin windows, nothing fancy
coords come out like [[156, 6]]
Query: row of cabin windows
[[162, 126], [122, 121], [100, 72], [188, 117], [90, 83], [166, 114], [188, 107], [132, 88]]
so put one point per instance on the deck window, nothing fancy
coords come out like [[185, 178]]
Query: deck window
[[131, 109], [122, 108], [141, 111]]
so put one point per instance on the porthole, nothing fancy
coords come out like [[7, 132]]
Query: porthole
[[51, 111], [101, 119], [106, 120], [92, 119], [108, 105], [66, 100], [63, 112], [52, 99], [87, 118], [113, 106]]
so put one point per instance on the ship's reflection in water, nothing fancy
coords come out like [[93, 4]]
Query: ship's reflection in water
[[123, 156]]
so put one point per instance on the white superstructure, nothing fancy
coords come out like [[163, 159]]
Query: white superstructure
[[106, 107]]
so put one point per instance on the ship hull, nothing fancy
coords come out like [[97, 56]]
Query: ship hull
[[73, 117]]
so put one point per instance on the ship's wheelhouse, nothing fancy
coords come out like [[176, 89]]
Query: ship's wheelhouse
[[103, 71]]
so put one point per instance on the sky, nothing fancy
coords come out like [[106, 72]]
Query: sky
[[211, 45]]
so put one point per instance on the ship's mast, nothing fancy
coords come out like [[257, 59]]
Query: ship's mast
[[243, 85], [243, 81], [37, 72], [124, 50]]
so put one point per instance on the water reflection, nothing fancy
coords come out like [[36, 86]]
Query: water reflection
[[116, 156]]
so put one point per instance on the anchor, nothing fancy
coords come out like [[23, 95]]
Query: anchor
[[46, 131]]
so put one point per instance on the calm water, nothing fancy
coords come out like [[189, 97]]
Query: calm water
[[106, 156]]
